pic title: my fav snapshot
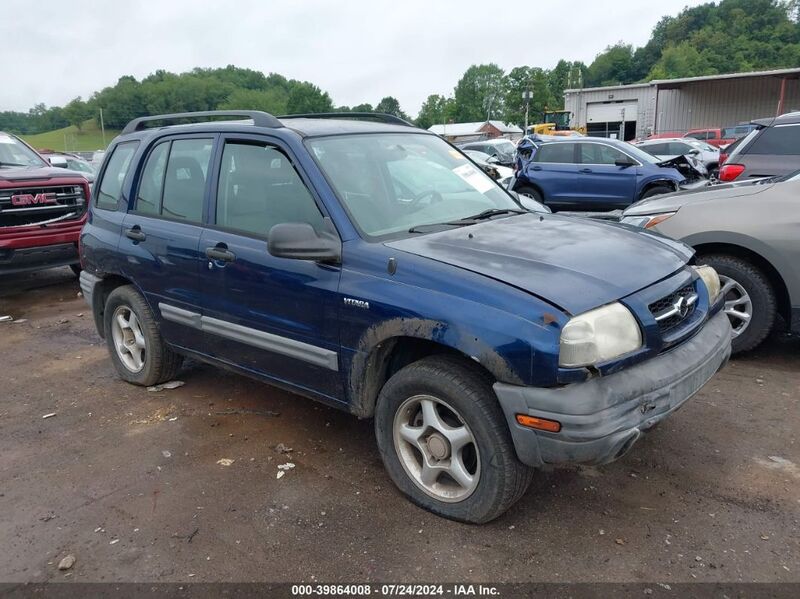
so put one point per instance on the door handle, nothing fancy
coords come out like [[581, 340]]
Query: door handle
[[135, 233], [220, 253], [536, 168], [585, 170]]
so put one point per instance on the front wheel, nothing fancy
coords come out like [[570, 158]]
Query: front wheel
[[656, 190], [749, 300], [445, 442], [531, 192]]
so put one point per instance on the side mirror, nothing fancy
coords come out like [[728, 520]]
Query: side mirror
[[300, 241], [624, 162], [492, 160], [58, 161], [694, 152]]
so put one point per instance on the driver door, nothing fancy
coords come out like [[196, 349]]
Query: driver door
[[275, 316]]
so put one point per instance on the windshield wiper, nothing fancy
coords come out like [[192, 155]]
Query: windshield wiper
[[11, 164], [490, 213], [426, 228]]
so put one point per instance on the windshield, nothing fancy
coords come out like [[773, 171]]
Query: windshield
[[15, 153], [640, 155], [506, 148], [390, 183]]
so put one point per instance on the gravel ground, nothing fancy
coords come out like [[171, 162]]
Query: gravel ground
[[129, 481]]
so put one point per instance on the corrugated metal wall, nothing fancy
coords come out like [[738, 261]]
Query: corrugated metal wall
[[723, 102], [714, 103], [644, 96]]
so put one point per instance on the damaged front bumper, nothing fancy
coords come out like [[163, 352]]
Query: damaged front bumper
[[603, 417]]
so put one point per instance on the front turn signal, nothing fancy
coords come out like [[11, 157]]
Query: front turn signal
[[542, 424]]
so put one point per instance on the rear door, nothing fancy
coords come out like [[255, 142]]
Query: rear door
[[775, 151], [555, 170], [275, 316], [161, 233], [603, 184]]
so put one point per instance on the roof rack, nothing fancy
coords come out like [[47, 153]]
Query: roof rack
[[381, 117], [260, 119]]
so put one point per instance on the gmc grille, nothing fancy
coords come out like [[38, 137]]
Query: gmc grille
[[41, 205]]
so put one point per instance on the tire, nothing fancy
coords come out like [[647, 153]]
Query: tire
[[76, 269], [531, 192], [158, 363], [656, 190], [743, 277], [457, 389]]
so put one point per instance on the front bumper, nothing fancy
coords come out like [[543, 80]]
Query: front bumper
[[14, 261], [603, 417]]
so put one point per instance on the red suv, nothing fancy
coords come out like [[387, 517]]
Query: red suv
[[42, 210]]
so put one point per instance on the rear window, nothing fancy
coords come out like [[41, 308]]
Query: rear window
[[780, 140], [110, 188]]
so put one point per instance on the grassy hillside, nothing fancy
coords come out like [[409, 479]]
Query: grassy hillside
[[70, 139]]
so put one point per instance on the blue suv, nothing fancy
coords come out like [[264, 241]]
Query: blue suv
[[595, 174], [373, 267]]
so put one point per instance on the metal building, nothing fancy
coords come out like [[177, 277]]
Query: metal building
[[660, 106]]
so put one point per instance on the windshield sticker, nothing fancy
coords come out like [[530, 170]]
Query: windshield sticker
[[6, 139], [474, 177]]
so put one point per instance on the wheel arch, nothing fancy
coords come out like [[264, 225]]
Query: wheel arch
[[394, 344], [784, 304], [101, 292], [657, 182]]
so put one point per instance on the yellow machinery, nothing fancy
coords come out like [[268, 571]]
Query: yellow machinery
[[556, 122]]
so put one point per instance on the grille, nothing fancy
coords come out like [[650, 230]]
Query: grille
[[40, 205], [674, 309]]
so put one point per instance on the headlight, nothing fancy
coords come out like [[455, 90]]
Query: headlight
[[598, 336], [711, 281], [647, 221]]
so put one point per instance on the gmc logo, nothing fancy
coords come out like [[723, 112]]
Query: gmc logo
[[28, 199]]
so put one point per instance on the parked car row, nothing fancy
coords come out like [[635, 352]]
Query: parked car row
[[717, 137]]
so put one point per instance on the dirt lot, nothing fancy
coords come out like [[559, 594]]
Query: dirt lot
[[129, 481]]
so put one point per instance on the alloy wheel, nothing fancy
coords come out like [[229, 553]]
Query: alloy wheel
[[128, 338], [738, 305], [436, 448]]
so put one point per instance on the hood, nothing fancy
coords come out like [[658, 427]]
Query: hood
[[574, 263], [673, 201], [684, 167], [36, 173]]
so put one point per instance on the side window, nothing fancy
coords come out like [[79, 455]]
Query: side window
[[698, 135], [560, 153], [185, 179], [600, 154], [677, 148], [259, 188], [110, 188], [148, 200], [656, 149], [712, 135], [781, 140]]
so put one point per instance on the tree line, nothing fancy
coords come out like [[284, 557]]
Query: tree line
[[712, 38]]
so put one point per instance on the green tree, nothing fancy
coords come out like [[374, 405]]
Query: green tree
[[76, 112], [521, 79], [480, 93], [435, 110], [613, 66], [390, 105], [306, 97], [273, 100]]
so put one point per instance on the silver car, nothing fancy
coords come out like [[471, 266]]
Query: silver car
[[750, 233]]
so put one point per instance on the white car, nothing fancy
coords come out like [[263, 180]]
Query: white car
[[668, 148]]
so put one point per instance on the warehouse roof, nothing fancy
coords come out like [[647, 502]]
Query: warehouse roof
[[674, 83]]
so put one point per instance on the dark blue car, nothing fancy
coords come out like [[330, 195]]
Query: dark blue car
[[594, 174], [373, 267]]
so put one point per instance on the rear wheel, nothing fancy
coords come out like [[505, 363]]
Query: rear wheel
[[749, 300], [445, 442], [138, 352]]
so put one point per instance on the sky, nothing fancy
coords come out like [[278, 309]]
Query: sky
[[356, 50]]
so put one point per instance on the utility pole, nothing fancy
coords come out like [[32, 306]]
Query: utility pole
[[527, 95], [103, 128]]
